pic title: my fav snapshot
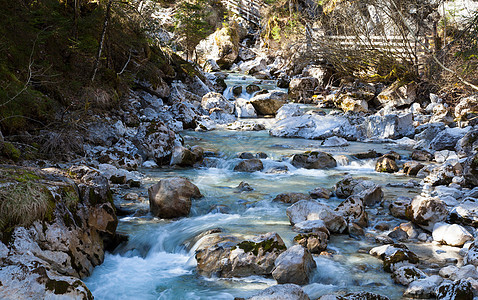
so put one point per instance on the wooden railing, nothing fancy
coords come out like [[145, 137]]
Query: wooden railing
[[249, 10]]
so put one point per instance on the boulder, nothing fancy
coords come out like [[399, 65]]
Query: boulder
[[252, 88], [468, 144], [249, 165], [245, 155], [291, 197], [470, 171], [426, 211], [423, 288], [451, 234], [312, 210], [466, 212], [347, 103], [455, 273], [421, 155], [183, 157], [407, 274], [171, 197], [215, 100], [367, 155], [186, 113], [227, 257], [396, 256], [289, 110], [237, 90], [269, 104], [320, 72], [314, 242], [281, 292], [398, 207], [465, 107], [458, 290], [367, 190], [356, 296], [314, 160], [155, 141], [320, 192], [353, 211], [471, 256], [245, 109], [387, 127], [398, 94], [302, 89], [447, 139], [386, 164], [244, 187], [311, 226], [294, 265], [411, 168], [335, 141]]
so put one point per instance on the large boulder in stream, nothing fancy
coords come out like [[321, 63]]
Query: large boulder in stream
[[269, 103], [294, 265], [249, 165], [314, 160], [155, 141], [215, 100], [370, 192], [171, 197], [305, 210], [229, 258], [426, 211]]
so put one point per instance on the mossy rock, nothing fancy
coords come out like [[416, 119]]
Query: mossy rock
[[268, 245], [9, 151]]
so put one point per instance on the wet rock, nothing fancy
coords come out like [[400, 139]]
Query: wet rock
[[252, 88], [398, 235], [407, 274], [185, 113], [269, 104], [411, 230], [466, 212], [451, 234], [245, 109], [394, 256], [366, 155], [335, 142], [444, 174], [243, 187], [311, 226], [155, 141], [454, 273], [411, 168], [421, 155], [386, 164], [215, 100], [245, 155], [314, 242], [246, 126], [171, 197], [368, 191], [353, 211], [219, 116], [229, 258], [291, 197], [294, 265], [183, 157], [314, 160], [249, 165], [302, 89], [447, 139], [312, 210], [237, 90], [426, 211], [320, 193], [261, 155], [399, 206], [281, 292], [461, 289], [355, 296]]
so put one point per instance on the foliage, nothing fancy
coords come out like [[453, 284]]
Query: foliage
[[191, 25]]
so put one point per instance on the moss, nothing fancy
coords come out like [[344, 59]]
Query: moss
[[10, 151], [267, 246]]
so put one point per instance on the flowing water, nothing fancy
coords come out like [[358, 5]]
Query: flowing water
[[158, 261]]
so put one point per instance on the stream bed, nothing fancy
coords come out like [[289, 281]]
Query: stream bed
[[158, 261]]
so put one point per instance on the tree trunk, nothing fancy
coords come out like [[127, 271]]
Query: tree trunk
[[102, 39]]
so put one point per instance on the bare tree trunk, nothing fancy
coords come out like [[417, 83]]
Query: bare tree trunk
[[102, 39]]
